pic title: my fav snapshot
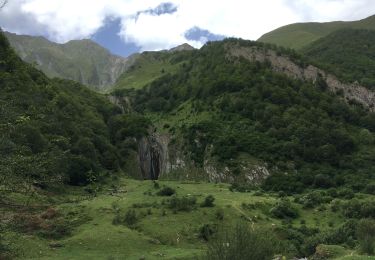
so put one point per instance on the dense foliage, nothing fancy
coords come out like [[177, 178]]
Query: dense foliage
[[349, 54], [241, 243], [299, 128], [57, 130]]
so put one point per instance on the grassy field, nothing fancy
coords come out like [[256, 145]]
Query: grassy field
[[159, 233]]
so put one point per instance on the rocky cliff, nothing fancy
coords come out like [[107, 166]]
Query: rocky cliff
[[283, 64]]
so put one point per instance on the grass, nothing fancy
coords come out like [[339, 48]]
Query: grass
[[159, 233], [299, 35], [148, 67]]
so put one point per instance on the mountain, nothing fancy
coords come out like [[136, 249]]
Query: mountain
[[80, 60], [300, 35], [347, 53], [150, 65], [242, 136], [55, 130], [244, 111], [182, 47]]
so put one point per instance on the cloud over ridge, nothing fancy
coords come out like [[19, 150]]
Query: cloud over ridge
[[155, 24]]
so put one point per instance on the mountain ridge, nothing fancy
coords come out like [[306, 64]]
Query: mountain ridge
[[81, 60], [299, 35]]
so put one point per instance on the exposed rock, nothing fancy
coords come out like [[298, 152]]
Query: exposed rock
[[285, 65], [122, 102], [153, 155], [249, 172]]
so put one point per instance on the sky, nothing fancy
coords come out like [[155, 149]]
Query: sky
[[128, 26]]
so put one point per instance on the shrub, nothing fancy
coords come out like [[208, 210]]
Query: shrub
[[366, 235], [208, 202], [50, 224], [241, 187], [219, 214], [129, 219], [345, 193], [329, 251], [182, 204], [207, 231], [166, 191], [284, 209], [370, 188], [359, 209], [156, 185], [3, 248], [242, 243], [312, 199]]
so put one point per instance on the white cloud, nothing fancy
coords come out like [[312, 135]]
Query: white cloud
[[63, 20]]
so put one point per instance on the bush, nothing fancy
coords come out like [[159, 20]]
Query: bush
[[345, 193], [156, 185], [312, 199], [366, 235], [208, 202], [219, 214], [182, 204], [50, 224], [370, 189], [329, 252], [166, 191], [284, 209], [242, 243], [359, 209], [241, 187], [3, 247], [207, 231], [129, 219]]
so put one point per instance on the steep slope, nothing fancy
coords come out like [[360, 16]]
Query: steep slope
[[240, 110], [56, 131], [299, 35], [347, 53], [148, 66], [83, 61]]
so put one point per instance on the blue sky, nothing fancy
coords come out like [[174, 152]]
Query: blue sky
[[128, 26], [108, 37]]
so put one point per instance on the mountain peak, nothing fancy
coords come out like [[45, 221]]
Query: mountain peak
[[182, 47]]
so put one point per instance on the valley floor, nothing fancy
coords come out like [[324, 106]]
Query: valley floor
[[156, 232]]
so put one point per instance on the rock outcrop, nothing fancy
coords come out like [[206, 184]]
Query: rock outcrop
[[153, 156], [285, 65]]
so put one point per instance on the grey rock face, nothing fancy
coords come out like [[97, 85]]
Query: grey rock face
[[153, 156], [286, 66]]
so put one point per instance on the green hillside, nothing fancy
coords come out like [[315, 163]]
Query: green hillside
[[300, 35], [67, 155], [348, 54], [82, 226], [149, 66], [56, 131], [83, 61], [227, 108]]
